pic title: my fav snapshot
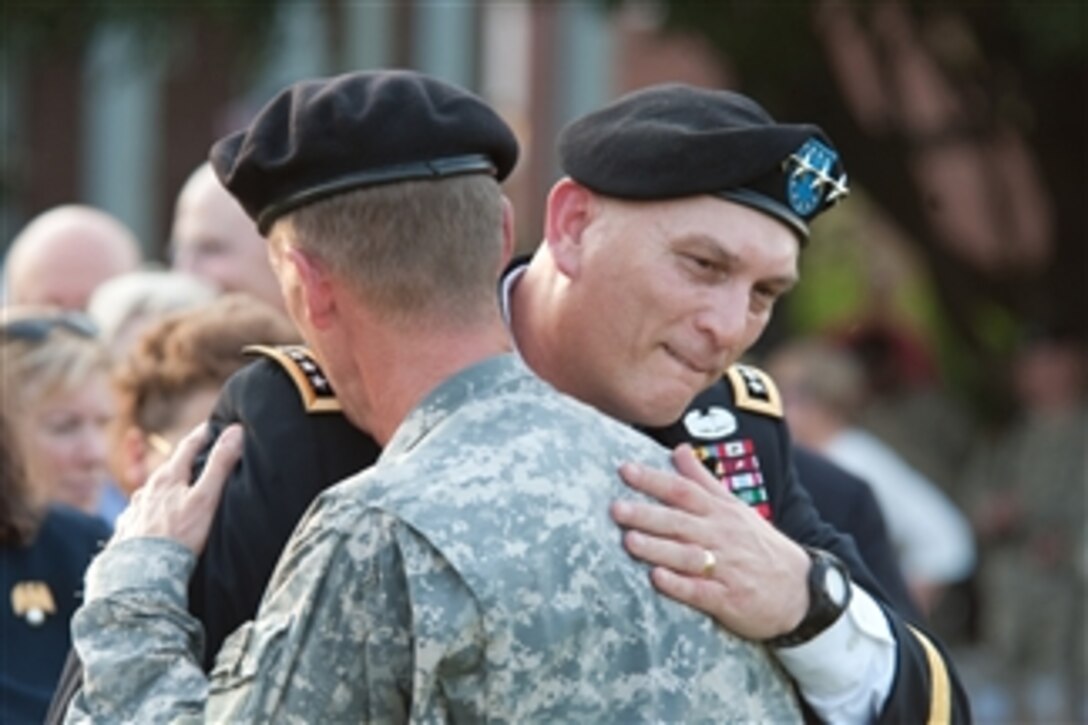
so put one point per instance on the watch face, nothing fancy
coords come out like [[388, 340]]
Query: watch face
[[835, 585]]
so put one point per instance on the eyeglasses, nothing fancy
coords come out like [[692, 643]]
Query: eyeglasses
[[36, 329]]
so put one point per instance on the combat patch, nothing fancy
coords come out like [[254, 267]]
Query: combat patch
[[754, 390], [313, 387]]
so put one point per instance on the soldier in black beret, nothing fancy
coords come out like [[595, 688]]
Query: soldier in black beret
[[677, 228], [674, 141]]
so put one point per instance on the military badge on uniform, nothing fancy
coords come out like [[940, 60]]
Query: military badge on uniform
[[714, 422], [315, 389], [736, 465], [813, 179], [32, 601], [754, 390]]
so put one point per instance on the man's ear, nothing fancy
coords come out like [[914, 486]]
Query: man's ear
[[315, 286], [569, 211]]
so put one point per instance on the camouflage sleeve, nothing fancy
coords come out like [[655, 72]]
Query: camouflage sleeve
[[136, 638], [331, 641]]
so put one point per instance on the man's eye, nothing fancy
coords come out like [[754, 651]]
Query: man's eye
[[763, 299], [702, 263]]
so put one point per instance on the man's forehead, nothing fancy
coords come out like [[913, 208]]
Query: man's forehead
[[712, 216], [732, 233], [212, 218]]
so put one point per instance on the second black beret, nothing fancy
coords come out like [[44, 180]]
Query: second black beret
[[675, 140], [318, 138]]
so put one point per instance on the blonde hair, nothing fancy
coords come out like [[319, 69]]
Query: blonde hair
[[61, 358]]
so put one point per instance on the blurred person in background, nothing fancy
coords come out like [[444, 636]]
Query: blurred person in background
[[213, 239], [847, 502], [123, 307], [822, 387], [1026, 485], [169, 381], [63, 254], [905, 403], [44, 550], [56, 390]]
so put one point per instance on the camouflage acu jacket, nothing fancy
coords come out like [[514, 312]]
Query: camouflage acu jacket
[[473, 574]]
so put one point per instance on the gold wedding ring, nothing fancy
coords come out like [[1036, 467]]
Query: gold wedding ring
[[709, 562]]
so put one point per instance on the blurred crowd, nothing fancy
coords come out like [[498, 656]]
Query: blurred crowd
[[109, 359], [987, 516]]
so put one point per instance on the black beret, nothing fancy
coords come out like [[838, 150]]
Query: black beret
[[674, 140], [319, 138]]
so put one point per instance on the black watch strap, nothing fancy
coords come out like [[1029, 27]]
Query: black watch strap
[[829, 595]]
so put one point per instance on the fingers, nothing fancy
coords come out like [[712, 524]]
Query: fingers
[[168, 507], [668, 487], [685, 558], [689, 466], [654, 519], [703, 594], [224, 454], [177, 467]]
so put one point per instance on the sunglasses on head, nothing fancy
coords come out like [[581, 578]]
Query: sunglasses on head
[[36, 329]]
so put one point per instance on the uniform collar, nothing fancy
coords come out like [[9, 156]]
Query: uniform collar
[[469, 386]]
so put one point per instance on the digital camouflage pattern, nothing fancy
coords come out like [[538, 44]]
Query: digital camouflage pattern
[[473, 574]]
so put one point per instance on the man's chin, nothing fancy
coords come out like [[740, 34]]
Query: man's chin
[[663, 412]]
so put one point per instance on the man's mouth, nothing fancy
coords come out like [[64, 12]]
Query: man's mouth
[[697, 367]]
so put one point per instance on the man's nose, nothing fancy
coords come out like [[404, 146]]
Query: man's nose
[[725, 321]]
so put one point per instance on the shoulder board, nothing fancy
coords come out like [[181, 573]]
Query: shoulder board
[[297, 361], [754, 390]]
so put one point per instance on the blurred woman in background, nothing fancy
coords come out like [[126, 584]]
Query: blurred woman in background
[[169, 381], [57, 395], [44, 550]]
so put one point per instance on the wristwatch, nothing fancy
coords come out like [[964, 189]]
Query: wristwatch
[[828, 597]]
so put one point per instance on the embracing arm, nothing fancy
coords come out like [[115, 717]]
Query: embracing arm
[[868, 665], [141, 647]]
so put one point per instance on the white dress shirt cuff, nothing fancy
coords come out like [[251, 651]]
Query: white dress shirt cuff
[[846, 672]]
